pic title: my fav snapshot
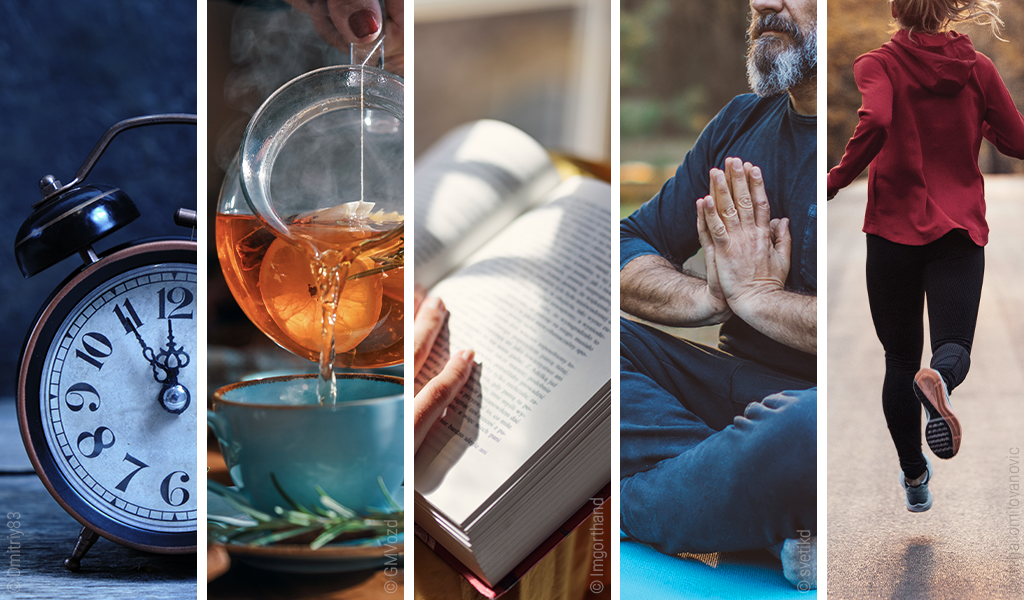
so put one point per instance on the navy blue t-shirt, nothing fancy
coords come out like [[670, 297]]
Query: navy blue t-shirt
[[768, 133]]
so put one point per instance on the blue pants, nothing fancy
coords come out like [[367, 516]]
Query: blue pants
[[714, 455]]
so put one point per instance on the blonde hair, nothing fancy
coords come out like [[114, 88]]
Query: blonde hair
[[936, 16]]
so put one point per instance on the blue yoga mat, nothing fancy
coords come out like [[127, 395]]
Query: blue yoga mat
[[647, 574]]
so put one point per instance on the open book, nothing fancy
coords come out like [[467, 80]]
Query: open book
[[522, 262]]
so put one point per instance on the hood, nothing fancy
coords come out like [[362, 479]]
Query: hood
[[942, 63]]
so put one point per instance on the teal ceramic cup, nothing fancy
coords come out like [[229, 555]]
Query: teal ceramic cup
[[276, 427]]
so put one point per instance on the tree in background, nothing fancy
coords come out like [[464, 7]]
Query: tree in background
[[681, 62]]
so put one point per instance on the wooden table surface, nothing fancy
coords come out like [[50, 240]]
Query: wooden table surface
[[32, 563]]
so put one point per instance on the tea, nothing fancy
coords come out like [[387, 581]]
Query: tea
[[279, 283]]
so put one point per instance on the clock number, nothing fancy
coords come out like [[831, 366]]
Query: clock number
[[96, 346], [131, 321], [77, 392], [97, 441], [183, 299], [123, 486], [166, 491]]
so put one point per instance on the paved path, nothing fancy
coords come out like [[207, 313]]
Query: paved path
[[962, 547]]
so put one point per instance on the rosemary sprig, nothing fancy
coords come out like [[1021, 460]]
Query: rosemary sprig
[[324, 524], [392, 262]]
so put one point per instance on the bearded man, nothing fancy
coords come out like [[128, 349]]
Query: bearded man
[[718, 445]]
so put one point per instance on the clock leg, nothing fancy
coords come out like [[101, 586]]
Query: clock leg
[[86, 539]]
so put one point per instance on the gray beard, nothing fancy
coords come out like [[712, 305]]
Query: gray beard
[[774, 67]]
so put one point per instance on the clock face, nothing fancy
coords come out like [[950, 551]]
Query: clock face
[[117, 398]]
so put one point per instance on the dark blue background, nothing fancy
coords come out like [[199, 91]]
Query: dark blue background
[[68, 71]]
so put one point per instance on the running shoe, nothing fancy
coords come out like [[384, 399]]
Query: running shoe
[[919, 499], [943, 429]]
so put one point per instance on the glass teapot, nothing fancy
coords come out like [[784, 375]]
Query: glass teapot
[[311, 210]]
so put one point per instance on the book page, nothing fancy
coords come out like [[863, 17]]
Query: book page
[[535, 305], [468, 186]]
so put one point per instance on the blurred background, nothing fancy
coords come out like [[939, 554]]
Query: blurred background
[[541, 65], [856, 27], [681, 62], [69, 71]]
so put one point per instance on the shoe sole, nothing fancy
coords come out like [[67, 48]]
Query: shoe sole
[[943, 430], [919, 508]]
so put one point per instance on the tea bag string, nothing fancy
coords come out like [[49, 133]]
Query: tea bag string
[[363, 106], [378, 45]]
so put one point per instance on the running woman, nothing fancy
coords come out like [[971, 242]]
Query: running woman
[[928, 100]]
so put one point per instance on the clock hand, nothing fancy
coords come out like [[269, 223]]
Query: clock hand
[[173, 357], [174, 396], [166, 364], [148, 354]]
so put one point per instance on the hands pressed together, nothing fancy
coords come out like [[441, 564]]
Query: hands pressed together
[[433, 398], [746, 253]]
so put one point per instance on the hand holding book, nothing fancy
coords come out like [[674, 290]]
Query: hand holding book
[[433, 397], [522, 260]]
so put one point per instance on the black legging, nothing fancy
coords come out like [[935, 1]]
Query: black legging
[[950, 272]]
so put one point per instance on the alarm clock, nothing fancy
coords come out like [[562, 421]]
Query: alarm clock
[[106, 394]]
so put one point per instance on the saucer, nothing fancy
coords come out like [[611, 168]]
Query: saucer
[[332, 558], [340, 557]]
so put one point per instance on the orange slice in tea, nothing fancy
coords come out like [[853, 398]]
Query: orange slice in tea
[[289, 289]]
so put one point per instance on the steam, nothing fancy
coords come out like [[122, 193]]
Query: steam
[[320, 164], [317, 167], [269, 48]]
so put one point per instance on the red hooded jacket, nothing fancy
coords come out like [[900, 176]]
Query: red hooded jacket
[[927, 102]]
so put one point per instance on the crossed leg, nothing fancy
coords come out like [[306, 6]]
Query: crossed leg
[[714, 455]]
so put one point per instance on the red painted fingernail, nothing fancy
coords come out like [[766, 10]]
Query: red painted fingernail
[[363, 23]]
